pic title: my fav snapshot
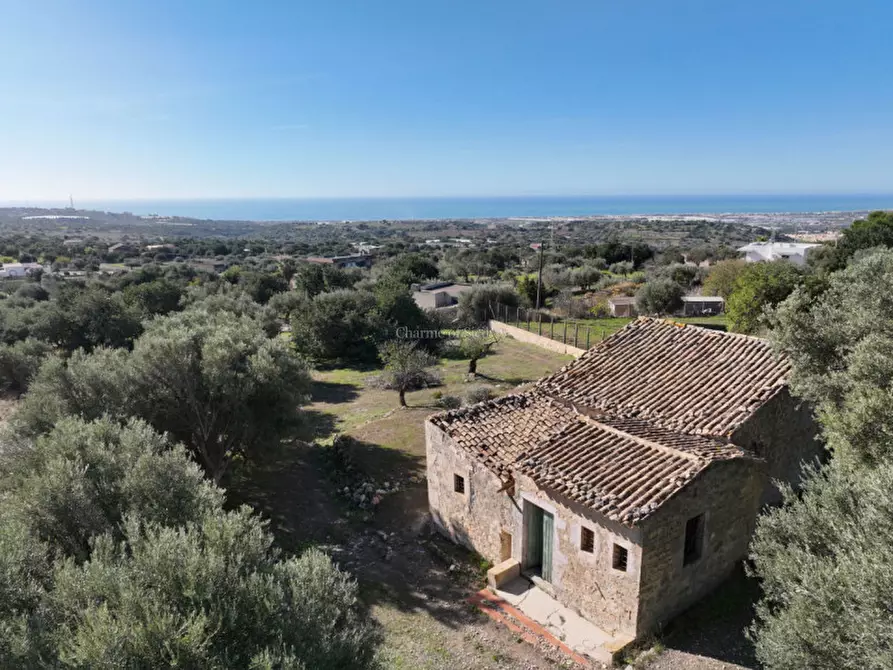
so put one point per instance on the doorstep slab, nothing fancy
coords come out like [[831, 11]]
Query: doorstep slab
[[579, 634]]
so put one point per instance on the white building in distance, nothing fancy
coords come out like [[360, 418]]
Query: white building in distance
[[19, 270], [795, 252]]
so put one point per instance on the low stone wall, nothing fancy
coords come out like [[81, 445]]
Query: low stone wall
[[532, 338]]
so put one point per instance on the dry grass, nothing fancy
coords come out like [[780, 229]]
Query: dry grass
[[416, 600], [352, 407]]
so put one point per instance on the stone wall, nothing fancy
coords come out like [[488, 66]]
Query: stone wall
[[585, 581], [728, 494], [783, 432], [476, 518], [479, 519], [656, 585], [539, 340]]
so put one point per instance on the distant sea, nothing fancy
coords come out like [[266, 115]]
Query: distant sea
[[370, 209]]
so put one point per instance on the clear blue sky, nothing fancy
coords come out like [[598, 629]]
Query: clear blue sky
[[182, 98]]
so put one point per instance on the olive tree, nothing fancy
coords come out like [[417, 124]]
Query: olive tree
[[337, 326], [218, 384], [475, 345], [116, 552], [406, 368], [659, 296], [20, 362], [823, 559], [212, 379]]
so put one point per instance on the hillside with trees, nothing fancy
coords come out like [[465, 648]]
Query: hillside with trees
[[158, 389]]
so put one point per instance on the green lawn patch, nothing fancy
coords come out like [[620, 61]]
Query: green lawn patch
[[585, 333]]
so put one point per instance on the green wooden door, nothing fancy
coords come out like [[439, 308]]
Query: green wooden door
[[534, 536], [548, 524]]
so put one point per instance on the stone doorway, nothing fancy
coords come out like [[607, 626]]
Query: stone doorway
[[539, 525]]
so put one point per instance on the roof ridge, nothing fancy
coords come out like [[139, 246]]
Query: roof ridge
[[641, 440], [700, 329]]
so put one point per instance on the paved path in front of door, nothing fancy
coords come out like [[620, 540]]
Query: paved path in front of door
[[582, 636]]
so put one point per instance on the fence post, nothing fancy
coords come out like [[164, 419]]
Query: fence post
[[527, 318], [588, 331], [551, 327], [576, 333], [539, 318], [564, 338]]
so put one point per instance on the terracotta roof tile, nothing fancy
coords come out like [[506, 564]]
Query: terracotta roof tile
[[496, 432], [679, 377], [631, 422], [625, 470]]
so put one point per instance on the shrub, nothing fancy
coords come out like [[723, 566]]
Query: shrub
[[722, 276], [449, 402], [621, 268], [758, 287], [660, 296], [33, 291], [478, 394], [20, 362], [600, 310], [475, 304], [115, 552]]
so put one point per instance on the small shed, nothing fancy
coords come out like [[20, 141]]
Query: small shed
[[622, 305], [702, 305]]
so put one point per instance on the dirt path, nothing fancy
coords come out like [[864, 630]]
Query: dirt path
[[414, 583]]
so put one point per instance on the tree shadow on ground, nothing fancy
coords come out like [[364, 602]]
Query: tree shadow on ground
[[368, 366], [288, 487], [714, 627], [384, 463], [421, 572], [333, 392], [316, 425], [398, 561]]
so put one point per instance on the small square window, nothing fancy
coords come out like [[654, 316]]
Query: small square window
[[694, 535], [459, 484], [620, 559], [587, 540]]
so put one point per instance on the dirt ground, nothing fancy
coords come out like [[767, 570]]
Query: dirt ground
[[414, 583]]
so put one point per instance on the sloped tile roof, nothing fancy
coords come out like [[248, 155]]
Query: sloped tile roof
[[496, 432], [679, 377], [620, 470], [632, 421]]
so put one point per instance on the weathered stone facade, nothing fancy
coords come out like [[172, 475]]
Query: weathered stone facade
[[476, 517], [627, 484], [784, 433], [586, 581], [655, 585], [728, 495]]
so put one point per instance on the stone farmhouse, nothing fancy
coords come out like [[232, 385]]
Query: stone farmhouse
[[627, 484]]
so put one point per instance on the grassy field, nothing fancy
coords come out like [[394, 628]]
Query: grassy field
[[417, 601], [412, 589], [599, 329], [344, 402]]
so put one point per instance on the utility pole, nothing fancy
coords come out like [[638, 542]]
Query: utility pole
[[539, 277]]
